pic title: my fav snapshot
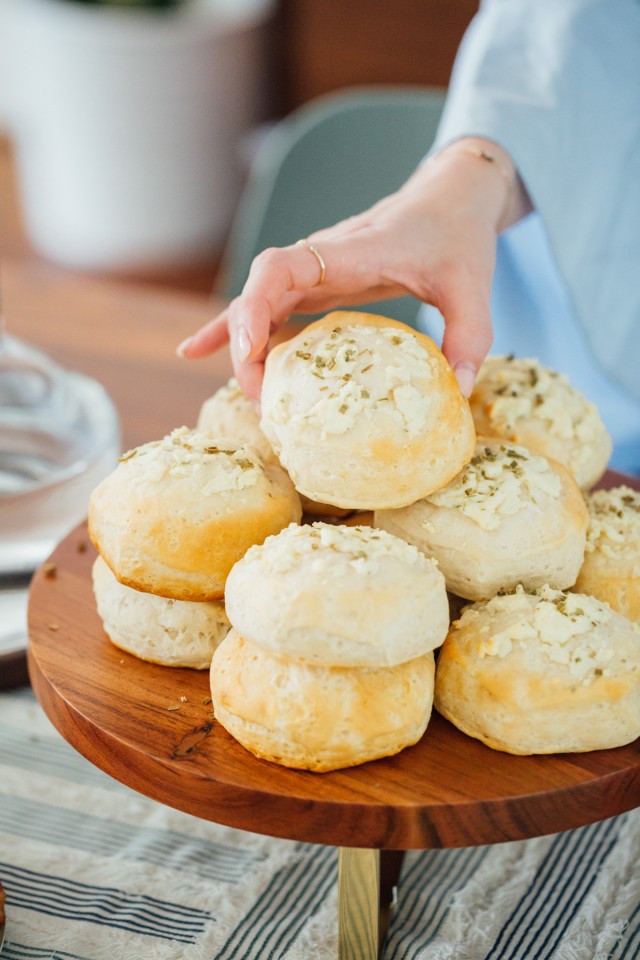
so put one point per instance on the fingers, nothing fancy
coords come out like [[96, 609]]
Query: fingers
[[250, 375], [291, 279], [277, 282], [208, 339], [402, 245], [468, 334]]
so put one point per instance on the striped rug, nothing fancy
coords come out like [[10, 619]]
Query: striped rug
[[94, 871]]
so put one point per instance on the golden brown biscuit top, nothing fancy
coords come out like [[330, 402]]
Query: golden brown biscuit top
[[498, 482], [217, 465], [561, 626], [614, 524], [359, 548], [349, 370], [523, 388]]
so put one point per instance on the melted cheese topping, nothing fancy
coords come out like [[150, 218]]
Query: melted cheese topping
[[614, 524], [216, 466], [523, 388], [499, 481], [325, 545], [560, 625], [354, 371]]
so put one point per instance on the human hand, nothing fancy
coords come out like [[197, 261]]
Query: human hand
[[435, 238]]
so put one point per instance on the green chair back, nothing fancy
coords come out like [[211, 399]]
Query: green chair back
[[330, 159]]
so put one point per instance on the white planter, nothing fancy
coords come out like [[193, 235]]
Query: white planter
[[127, 125]]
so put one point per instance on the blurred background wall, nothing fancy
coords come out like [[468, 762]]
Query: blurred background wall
[[297, 50], [332, 44]]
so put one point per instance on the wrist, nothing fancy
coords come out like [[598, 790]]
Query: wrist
[[489, 166]]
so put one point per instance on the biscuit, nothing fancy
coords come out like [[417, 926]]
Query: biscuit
[[364, 412], [523, 402], [339, 596], [550, 672], [230, 413], [177, 513], [509, 517], [611, 569], [318, 718], [175, 633]]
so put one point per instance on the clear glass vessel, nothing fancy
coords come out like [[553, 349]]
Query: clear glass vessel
[[59, 436]]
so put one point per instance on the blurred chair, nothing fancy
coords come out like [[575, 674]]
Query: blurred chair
[[328, 160]]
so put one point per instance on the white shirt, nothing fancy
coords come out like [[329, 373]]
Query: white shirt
[[557, 84], [533, 317]]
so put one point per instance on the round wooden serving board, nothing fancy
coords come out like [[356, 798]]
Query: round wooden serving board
[[447, 791]]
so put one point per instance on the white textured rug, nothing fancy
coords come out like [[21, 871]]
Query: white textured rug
[[94, 871]]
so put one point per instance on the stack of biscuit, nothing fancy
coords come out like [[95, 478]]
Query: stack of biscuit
[[509, 518], [330, 660], [169, 523]]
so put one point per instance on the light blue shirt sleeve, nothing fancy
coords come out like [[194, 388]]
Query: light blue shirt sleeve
[[557, 84]]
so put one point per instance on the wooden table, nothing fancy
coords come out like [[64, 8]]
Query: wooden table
[[121, 333], [448, 790]]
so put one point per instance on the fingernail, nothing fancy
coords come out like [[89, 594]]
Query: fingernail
[[243, 342], [465, 374], [180, 349]]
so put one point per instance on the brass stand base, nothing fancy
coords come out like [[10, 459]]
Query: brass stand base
[[366, 881]]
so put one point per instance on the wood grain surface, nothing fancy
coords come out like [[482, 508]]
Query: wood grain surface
[[448, 790], [124, 335]]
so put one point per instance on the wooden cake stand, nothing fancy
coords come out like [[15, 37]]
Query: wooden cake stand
[[151, 727]]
